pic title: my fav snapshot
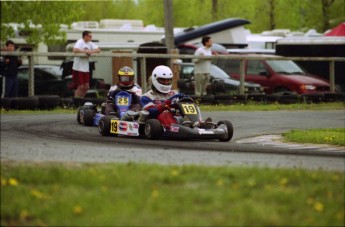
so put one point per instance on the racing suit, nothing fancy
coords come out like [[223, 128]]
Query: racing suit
[[136, 92], [154, 102]]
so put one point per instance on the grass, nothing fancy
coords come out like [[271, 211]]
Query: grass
[[57, 194], [334, 136]]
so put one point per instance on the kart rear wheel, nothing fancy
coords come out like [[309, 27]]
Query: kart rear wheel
[[153, 129], [88, 116], [104, 126], [230, 131]]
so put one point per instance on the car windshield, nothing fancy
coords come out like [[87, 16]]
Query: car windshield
[[218, 72], [285, 66]]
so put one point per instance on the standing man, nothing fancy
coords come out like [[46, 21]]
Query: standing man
[[81, 69], [202, 67], [12, 64]]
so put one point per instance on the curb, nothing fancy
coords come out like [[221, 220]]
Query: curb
[[275, 141]]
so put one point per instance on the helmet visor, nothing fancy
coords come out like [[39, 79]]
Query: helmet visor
[[125, 78], [165, 81]]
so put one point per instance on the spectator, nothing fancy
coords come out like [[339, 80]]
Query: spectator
[[81, 70], [12, 64], [202, 67]]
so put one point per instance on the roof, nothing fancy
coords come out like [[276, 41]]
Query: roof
[[337, 31], [209, 29]]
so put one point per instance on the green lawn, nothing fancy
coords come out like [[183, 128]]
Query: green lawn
[[334, 136], [53, 194]]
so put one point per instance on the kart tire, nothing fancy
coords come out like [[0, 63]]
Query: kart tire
[[25, 103], [88, 115], [230, 129], [6, 103], [78, 114], [104, 126], [48, 102], [153, 129]]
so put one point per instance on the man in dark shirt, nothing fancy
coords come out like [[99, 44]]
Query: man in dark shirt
[[12, 64]]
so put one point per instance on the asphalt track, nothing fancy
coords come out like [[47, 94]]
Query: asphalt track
[[58, 137]]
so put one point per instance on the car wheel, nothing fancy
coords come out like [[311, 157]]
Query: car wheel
[[230, 131], [153, 129]]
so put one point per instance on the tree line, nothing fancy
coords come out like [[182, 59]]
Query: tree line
[[296, 15]]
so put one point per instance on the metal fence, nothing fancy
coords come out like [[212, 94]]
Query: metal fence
[[107, 64]]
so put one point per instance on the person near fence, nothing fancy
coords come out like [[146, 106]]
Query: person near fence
[[11, 65], [156, 100], [202, 66], [81, 68], [125, 83]]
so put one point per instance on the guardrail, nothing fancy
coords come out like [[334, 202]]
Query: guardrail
[[142, 59]]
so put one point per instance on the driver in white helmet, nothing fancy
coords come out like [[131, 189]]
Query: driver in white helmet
[[156, 100]]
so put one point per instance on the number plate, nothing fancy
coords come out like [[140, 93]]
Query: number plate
[[124, 128], [189, 108], [122, 101], [114, 126]]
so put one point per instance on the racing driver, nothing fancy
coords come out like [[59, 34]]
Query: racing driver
[[156, 100], [126, 83]]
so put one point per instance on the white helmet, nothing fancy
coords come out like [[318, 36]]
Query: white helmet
[[162, 78]]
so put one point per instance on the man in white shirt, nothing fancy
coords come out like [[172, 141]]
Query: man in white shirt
[[81, 70], [202, 67]]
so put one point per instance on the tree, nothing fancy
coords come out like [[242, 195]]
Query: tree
[[326, 4], [39, 21]]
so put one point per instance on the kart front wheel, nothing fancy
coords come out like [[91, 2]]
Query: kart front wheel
[[78, 114], [104, 126], [153, 129], [88, 116], [229, 130]]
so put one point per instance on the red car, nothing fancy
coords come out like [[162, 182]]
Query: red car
[[276, 76]]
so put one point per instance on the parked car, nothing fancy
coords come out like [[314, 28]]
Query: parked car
[[275, 75], [48, 80], [220, 83]]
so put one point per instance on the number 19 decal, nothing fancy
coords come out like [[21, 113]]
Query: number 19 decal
[[189, 109], [114, 126]]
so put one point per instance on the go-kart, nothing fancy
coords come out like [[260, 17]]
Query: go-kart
[[125, 122], [182, 120], [88, 115]]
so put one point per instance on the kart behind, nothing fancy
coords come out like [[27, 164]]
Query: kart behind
[[88, 115]]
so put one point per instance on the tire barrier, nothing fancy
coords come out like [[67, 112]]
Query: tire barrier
[[49, 102]]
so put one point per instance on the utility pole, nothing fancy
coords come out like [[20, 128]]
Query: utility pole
[[169, 25], [169, 39]]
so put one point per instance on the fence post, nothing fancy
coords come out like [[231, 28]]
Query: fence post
[[31, 80], [143, 73], [242, 70], [331, 76]]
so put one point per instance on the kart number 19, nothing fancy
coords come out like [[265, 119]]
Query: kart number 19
[[113, 126], [189, 109], [122, 101]]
